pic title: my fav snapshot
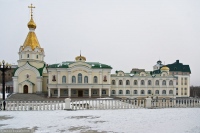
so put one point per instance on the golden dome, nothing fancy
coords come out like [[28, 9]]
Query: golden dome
[[165, 68], [80, 58], [32, 41], [31, 24]]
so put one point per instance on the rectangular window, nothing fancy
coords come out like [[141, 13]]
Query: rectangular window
[[73, 91], [176, 93], [176, 88], [86, 92], [103, 91], [185, 93], [185, 88], [65, 91], [55, 91]]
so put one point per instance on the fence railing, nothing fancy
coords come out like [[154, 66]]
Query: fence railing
[[175, 103], [33, 105], [99, 104]]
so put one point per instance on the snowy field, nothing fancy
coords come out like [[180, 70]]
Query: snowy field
[[173, 120]]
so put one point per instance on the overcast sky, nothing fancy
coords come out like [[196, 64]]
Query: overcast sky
[[125, 34]]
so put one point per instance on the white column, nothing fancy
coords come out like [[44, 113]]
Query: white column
[[89, 92], [100, 92], [90, 78], [100, 77], [15, 85], [109, 82], [69, 92], [50, 77], [39, 84], [69, 77], [58, 75], [49, 92], [109, 92], [58, 92]]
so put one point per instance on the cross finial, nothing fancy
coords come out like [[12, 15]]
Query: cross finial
[[31, 6]]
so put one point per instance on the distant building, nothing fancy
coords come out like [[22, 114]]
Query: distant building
[[182, 74]]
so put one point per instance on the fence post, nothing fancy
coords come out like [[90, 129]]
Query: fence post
[[67, 104], [148, 102]]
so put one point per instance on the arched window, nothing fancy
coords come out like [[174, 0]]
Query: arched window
[[163, 82], [157, 82], [120, 82], [149, 91], [73, 79], [170, 82], [127, 92], [105, 78], [63, 79], [170, 91], [164, 92], [135, 91], [135, 82], [157, 91], [120, 92], [79, 78], [27, 55], [54, 78], [142, 91], [86, 79], [142, 82], [95, 79], [113, 91], [113, 82], [149, 82], [127, 82]]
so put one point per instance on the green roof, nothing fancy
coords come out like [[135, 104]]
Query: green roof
[[176, 66], [179, 67], [93, 65], [40, 70]]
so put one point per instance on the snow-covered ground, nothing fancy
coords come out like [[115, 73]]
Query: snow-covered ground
[[173, 120]]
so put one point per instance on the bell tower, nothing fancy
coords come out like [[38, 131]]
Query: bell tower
[[31, 50]]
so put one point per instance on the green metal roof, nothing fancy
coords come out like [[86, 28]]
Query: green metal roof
[[177, 66], [93, 65]]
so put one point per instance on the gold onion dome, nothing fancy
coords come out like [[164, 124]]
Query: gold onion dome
[[31, 24], [165, 68], [31, 39], [80, 58]]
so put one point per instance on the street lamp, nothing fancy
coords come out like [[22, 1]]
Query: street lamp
[[4, 67]]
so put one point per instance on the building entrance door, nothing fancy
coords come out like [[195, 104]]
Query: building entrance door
[[80, 93], [25, 89]]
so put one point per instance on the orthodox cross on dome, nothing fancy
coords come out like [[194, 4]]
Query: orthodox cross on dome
[[31, 7]]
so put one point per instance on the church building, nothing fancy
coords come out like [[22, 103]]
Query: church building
[[81, 78]]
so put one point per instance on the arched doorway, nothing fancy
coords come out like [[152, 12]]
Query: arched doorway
[[25, 89]]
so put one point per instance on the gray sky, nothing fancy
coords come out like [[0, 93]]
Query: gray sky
[[125, 34]]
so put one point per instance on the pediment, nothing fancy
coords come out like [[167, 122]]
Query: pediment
[[79, 64]]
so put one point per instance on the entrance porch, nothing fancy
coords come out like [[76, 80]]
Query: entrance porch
[[79, 92]]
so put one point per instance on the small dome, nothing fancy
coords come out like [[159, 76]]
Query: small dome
[[80, 58], [31, 24], [165, 68]]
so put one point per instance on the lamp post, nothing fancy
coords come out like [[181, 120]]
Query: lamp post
[[4, 67]]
